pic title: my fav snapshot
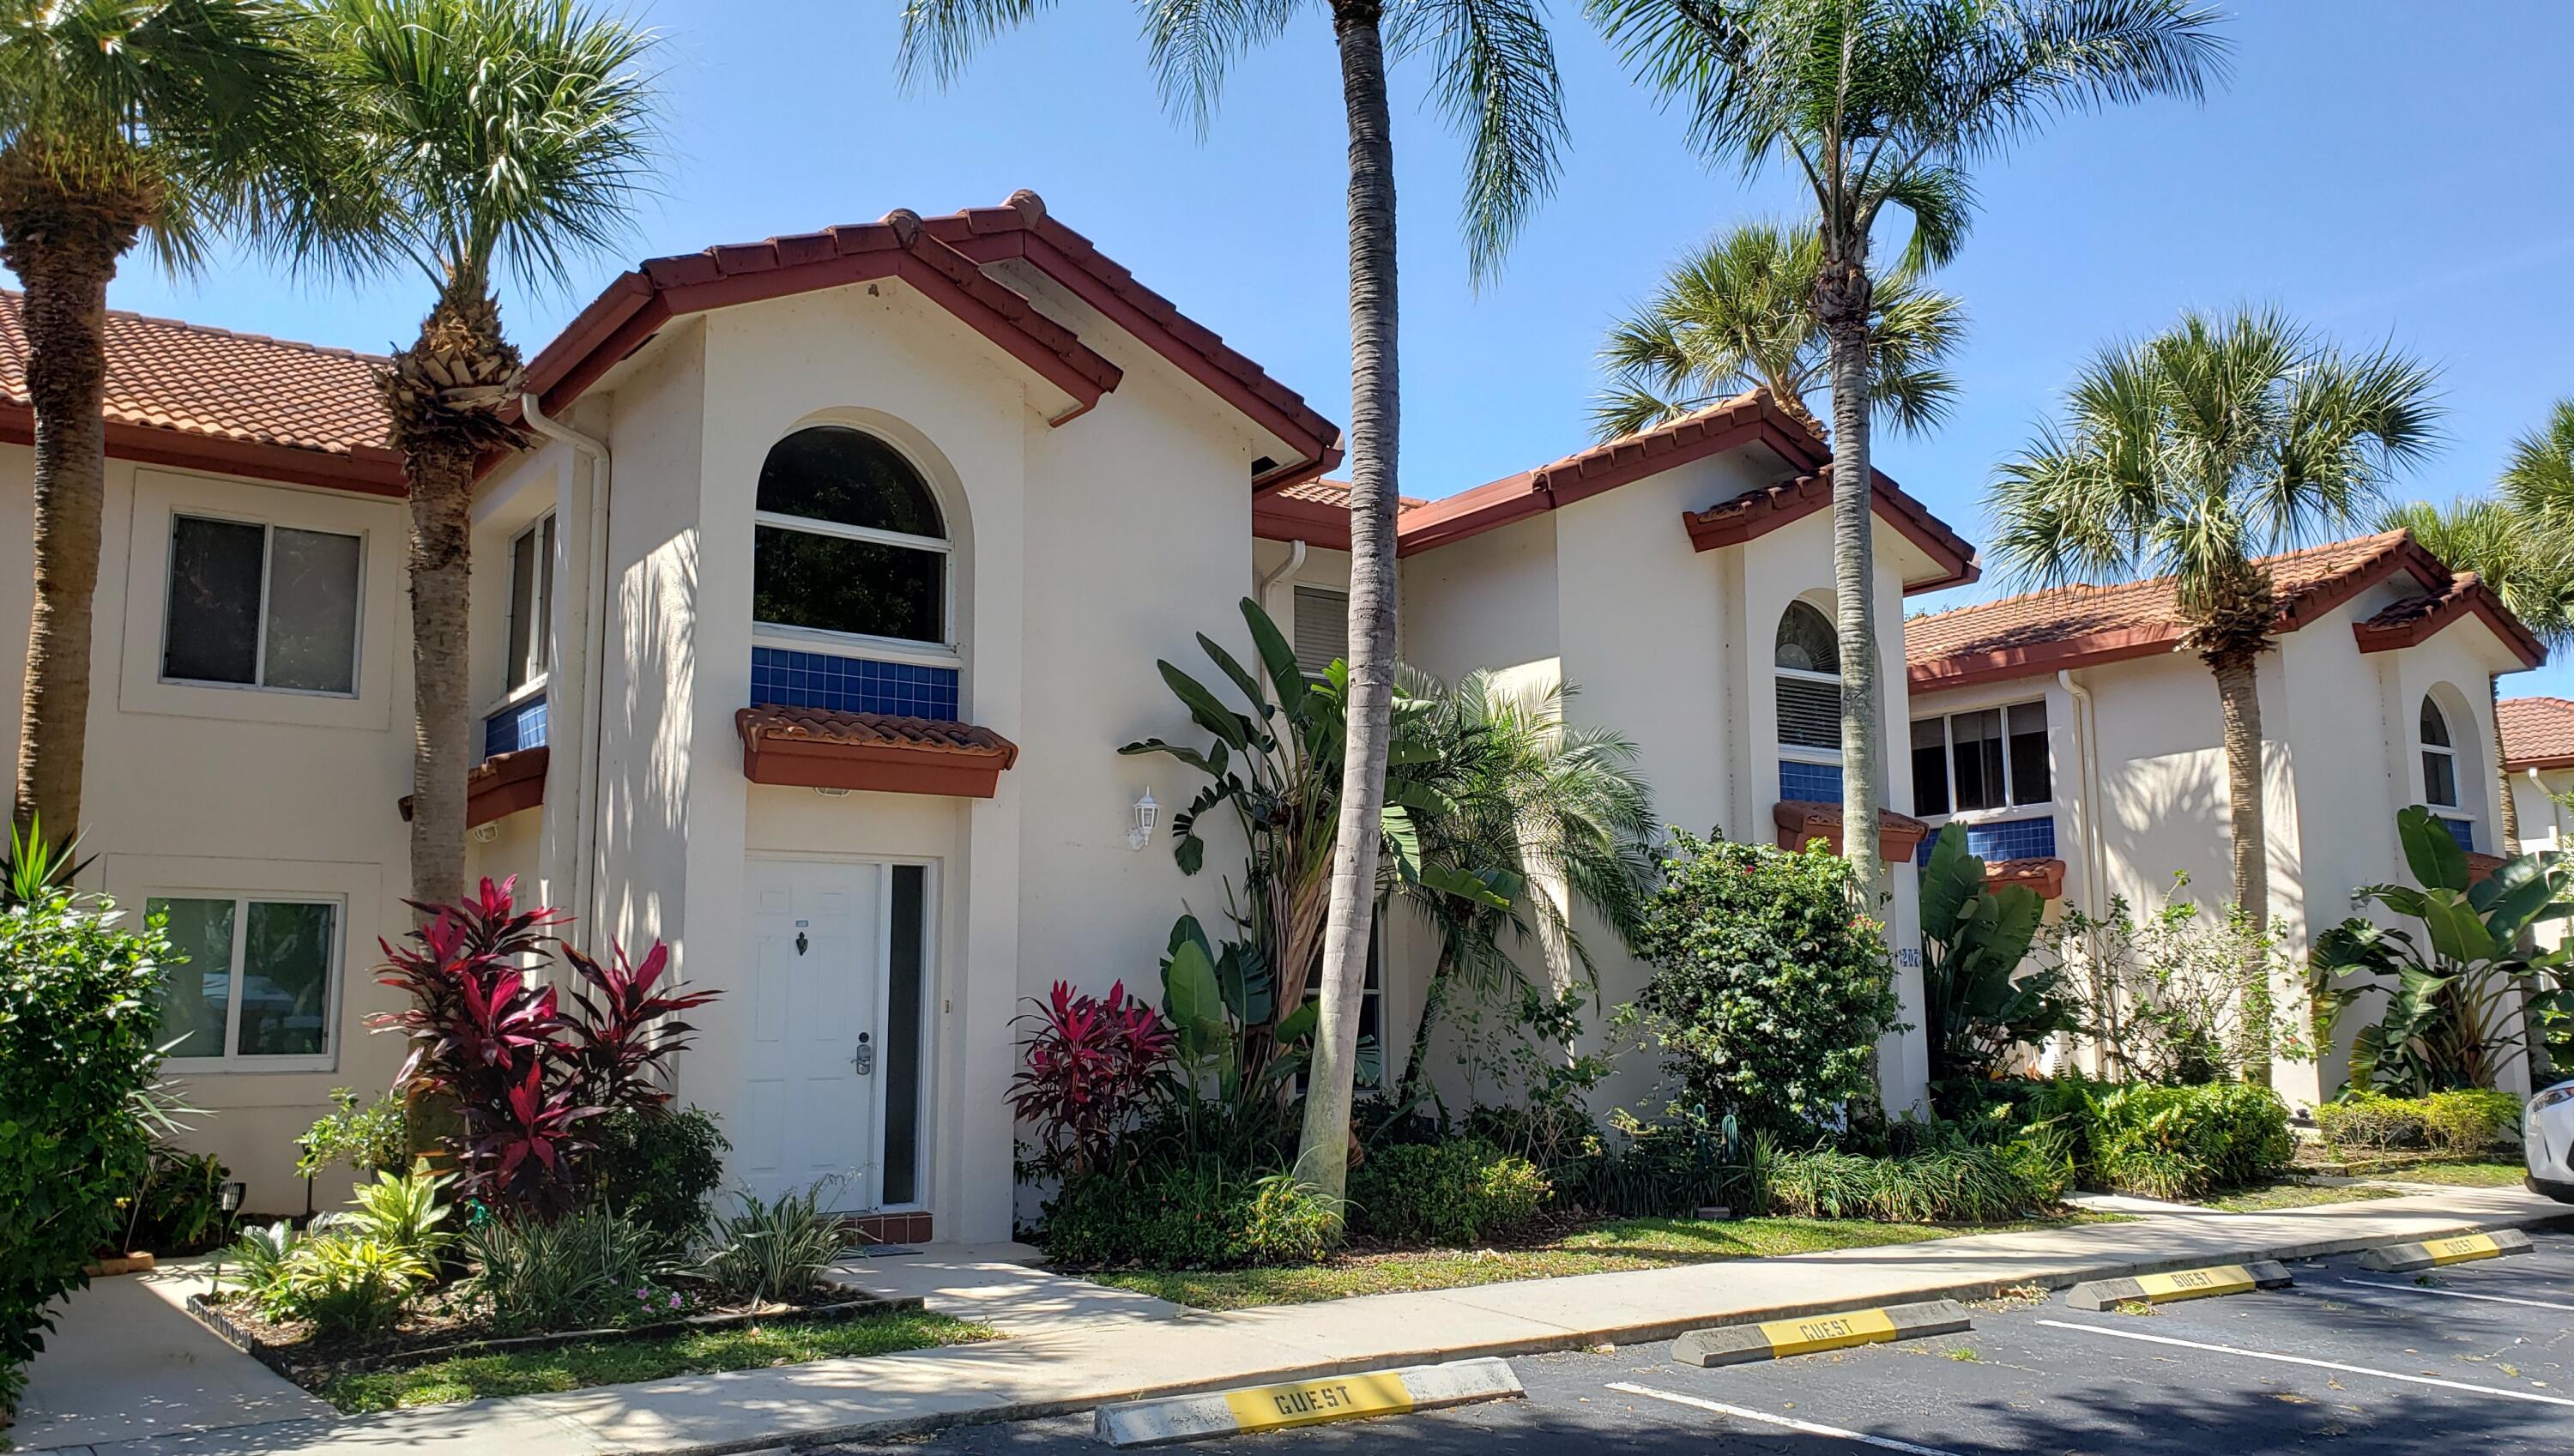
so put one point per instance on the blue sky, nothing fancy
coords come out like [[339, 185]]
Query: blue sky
[[2384, 170]]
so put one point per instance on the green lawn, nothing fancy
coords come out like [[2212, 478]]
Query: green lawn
[[2295, 1195], [2461, 1175], [616, 1362], [1628, 1243]]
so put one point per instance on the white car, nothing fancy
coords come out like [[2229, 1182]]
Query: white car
[[2547, 1140]]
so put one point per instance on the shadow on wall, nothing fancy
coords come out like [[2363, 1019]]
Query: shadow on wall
[[657, 611]]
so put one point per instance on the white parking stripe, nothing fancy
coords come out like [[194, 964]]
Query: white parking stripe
[[2528, 1395], [1791, 1422], [2458, 1293]]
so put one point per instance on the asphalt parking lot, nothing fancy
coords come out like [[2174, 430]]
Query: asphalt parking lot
[[2472, 1359]]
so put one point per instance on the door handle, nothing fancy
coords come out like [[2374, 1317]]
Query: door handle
[[863, 1059]]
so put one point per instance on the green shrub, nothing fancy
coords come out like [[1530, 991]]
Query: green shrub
[[578, 1272], [777, 1249], [178, 1208], [347, 1283], [661, 1169], [2470, 1120], [2182, 1142], [1184, 1215], [1964, 1184], [2370, 1122], [372, 1139], [1455, 1193], [1673, 1169], [1771, 985], [79, 1051]]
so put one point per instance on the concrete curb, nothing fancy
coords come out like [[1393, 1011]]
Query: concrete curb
[[2099, 1295], [2456, 1249], [1735, 1344], [1281, 1406]]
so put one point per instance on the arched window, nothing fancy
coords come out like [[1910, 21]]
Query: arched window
[[848, 539], [2439, 759], [1808, 663]]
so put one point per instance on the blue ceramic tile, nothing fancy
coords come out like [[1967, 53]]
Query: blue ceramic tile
[[516, 727], [786, 678], [1819, 782], [2462, 830]]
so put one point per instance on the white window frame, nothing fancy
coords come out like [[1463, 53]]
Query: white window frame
[[2009, 809], [334, 982], [1799, 753], [540, 603], [268, 530], [2423, 749], [941, 654]]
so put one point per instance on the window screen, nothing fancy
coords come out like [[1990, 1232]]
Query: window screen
[[262, 606], [1322, 630]]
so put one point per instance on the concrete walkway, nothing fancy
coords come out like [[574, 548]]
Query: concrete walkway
[[1074, 1345]]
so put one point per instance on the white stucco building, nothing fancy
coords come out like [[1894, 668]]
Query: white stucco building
[[2083, 745], [807, 630]]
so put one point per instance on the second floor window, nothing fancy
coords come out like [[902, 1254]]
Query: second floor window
[[531, 602], [1993, 758], [847, 538], [2439, 759], [258, 606], [1322, 630]]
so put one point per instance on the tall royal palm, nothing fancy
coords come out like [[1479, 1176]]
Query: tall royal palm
[[1493, 69], [1877, 104], [120, 119], [469, 136], [2527, 557], [2192, 454], [1739, 313]]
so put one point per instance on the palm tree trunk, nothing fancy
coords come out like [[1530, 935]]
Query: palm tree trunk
[[1322, 1159], [64, 248], [2240, 703], [1841, 305], [1434, 999], [2507, 814]]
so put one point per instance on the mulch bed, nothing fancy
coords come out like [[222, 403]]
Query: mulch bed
[[438, 1330]]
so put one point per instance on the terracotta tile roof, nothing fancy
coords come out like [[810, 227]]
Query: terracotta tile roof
[[875, 729], [2065, 627], [180, 393], [1801, 820], [2047, 876], [818, 747], [1021, 227], [948, 259], [2537, 733], [1337, 493], [1750, 417]]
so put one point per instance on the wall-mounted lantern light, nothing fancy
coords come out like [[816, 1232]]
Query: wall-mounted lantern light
[[1147, 813]]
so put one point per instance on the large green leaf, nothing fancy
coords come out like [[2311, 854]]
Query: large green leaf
[[1277, 658], [1224, 661], [2431, 850], [1207, 708], [1950, 882], [2457, 933]]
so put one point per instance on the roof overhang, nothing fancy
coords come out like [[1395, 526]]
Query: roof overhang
[[1802, 822], [875, 753], [2001, 665], [1756, 513], [366, 471], [499, 786], [2466, 598]]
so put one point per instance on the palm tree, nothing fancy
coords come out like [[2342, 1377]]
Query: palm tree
[[1880, 103], [120, 121], [2189, 456], [1548, 815], [1739, 313], [2538, 480], [2528, 560], [467, 135], [1493, 71]]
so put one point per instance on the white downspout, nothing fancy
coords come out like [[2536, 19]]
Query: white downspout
[[1295, 561], [594, 669], [2086, 731], [2555, 810]]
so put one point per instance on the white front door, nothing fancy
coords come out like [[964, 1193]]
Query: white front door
[[808, 1102]]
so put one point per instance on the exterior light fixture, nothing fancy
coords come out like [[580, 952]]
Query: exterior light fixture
[[1147, 813], [828, 793], [485, 833]]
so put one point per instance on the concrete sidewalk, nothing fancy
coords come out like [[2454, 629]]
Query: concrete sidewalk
[[1074, 1345]]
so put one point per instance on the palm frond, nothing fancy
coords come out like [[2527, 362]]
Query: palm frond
[[941, 36], [1494, 76], [2539, 477]]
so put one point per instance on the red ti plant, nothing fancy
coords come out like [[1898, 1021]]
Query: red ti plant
[[621, 1050], [1090, 1062], [525, 1076]]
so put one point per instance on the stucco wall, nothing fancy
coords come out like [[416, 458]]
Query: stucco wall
[[213, 790]]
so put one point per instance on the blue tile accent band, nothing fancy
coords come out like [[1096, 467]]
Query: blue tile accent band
[[1819, 782], [2462, 830], [521, 726], [782, 677], [2003, 840]]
